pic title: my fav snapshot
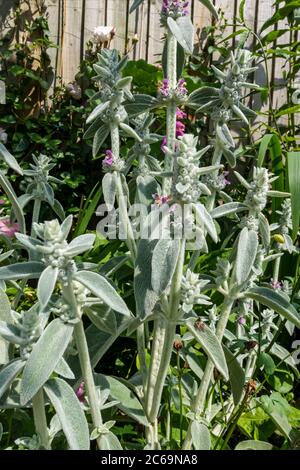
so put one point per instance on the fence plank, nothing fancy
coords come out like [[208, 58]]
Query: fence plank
[[116, 16], [94, 16], [55, 24], [155, 33], [71, 39]]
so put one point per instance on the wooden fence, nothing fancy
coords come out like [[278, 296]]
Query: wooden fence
[[72, 22]]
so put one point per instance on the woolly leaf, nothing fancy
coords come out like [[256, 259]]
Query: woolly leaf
[[44, 358], [70, 413]]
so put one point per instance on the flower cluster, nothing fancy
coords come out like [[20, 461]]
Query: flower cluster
[[111, 163], [141, 150], [191, 287], [28, 324], [39, 180], [256, 198], [233, 82], [186, 184], [178, 94], [173, 9], [215, 181], [160, 199], [222, 271]]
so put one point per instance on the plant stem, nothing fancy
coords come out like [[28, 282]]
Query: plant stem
[[35, 215], [180, 398], [84, 359], [40, 421], [171, 108], [115, 140], [276, 269], [199, 403], [87, 372], [123, 214], [216, 160], [141, 346]]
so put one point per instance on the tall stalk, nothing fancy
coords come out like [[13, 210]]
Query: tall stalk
[[171, 108], [40, 421]]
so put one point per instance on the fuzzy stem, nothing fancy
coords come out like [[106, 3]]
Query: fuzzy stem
[[141, 346], [276, 269], [115, 140], [216, 160], [40, 421], [199, 403], [171, 108], [35, 214], [123, 213], [84, 359], [87, 372]]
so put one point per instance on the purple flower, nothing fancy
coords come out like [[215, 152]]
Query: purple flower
[[225, 181], [180, 114], [80, 392], [241, 320], [163, 144], [277, 285], [160, 200], [174, 8], [2, 202], [181, 87], [7, 228], [164, 88], [180, 128], [109, 158]]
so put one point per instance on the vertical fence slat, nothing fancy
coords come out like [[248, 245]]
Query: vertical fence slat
[[201, 18], [71, 39], [155, 33], [94, 16], [142, 19], [116, 16], [54, 22], [131, 31]]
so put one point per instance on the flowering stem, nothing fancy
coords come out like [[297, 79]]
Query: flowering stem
[[87, 373], [84, 359], [216, 160], [40, 421], [199, 403], [276, 269], [171, 108], [35, 215], [115, 139], [123, 214]]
